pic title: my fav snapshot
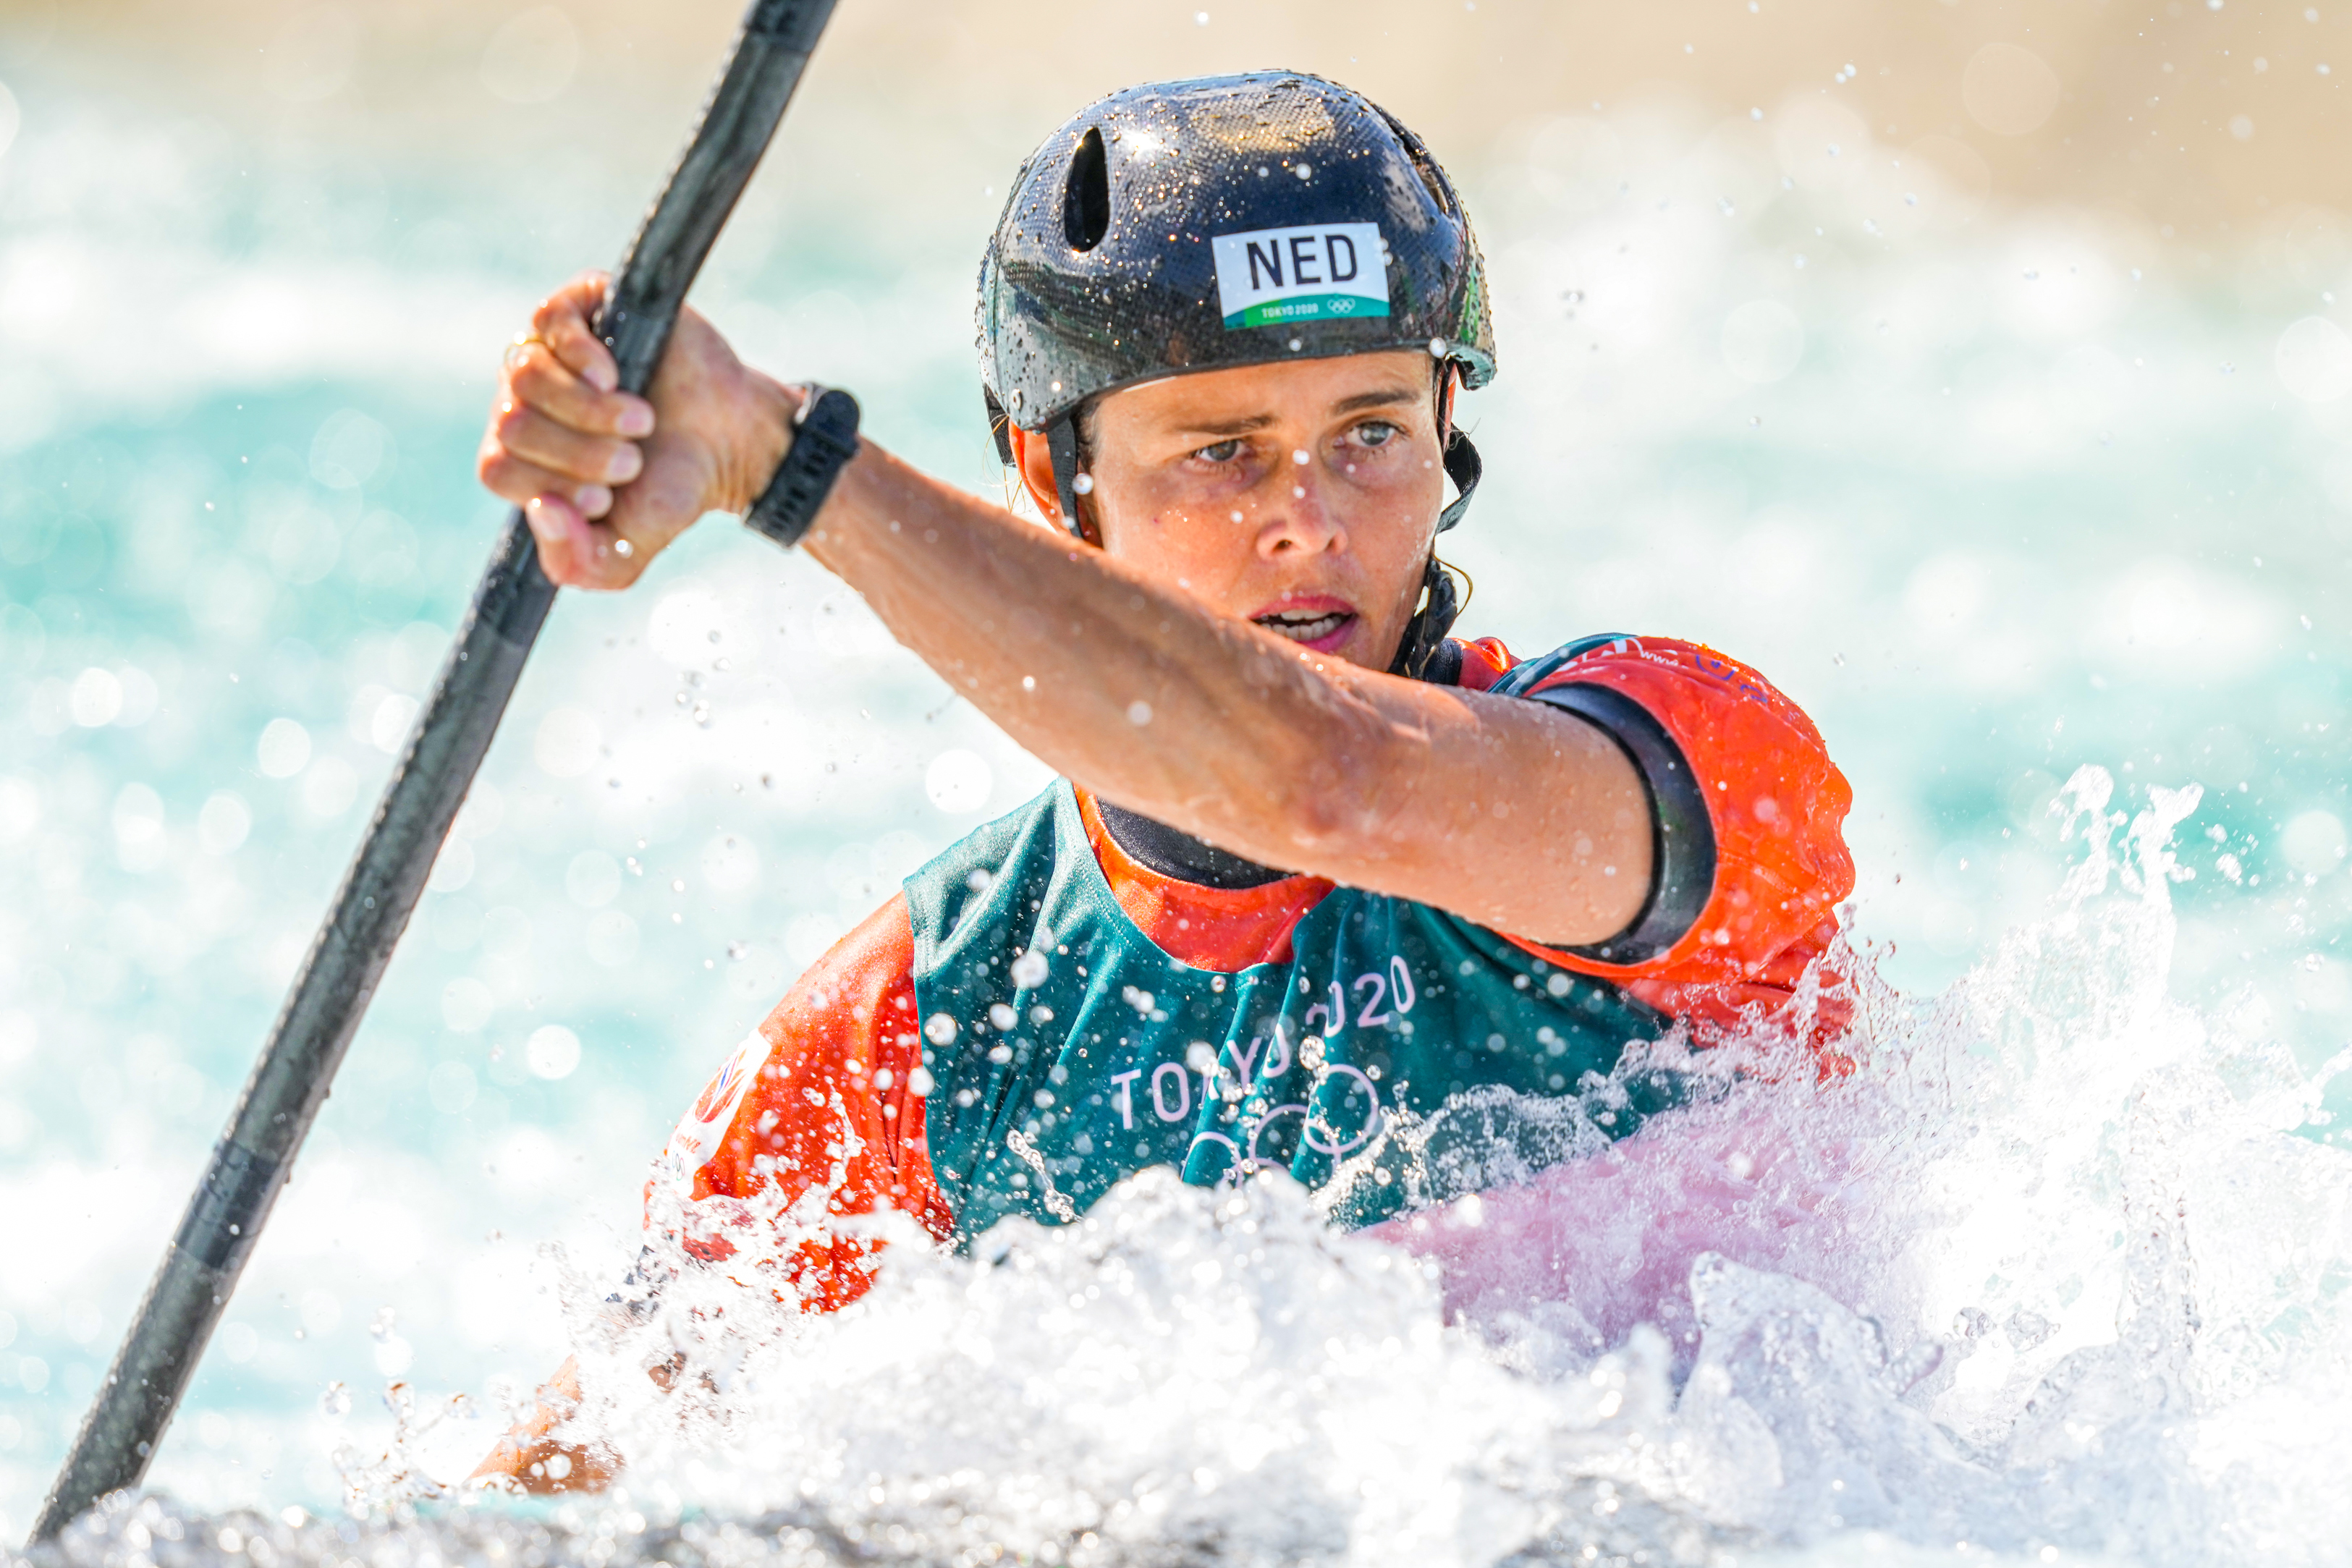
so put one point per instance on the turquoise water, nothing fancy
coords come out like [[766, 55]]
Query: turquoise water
[[1992, 494]]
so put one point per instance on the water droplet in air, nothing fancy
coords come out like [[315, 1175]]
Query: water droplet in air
[[1084, 484], [335, 1400]]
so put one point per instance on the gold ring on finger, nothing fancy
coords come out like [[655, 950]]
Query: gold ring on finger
[[519, 349]]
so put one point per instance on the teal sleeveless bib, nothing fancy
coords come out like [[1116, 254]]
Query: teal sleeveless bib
[[1067, 1051]]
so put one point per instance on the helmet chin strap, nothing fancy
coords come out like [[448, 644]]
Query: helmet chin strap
[[1424, 634], [1465, 468], [1062, 445]]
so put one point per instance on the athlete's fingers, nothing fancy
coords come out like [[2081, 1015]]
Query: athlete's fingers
[[580, 458], [561, 322], [537, 378], [577, 553], [513, 478]]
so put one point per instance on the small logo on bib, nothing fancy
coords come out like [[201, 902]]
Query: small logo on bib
[[1317, 272]]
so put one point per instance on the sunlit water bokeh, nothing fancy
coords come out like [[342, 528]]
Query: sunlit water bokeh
[[1993, 493]]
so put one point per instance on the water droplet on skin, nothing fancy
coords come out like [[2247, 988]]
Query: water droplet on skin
[[1084, 485], [1138, 713], [623, 547]]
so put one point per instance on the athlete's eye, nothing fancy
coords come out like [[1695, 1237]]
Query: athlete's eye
[[1223, 452], [1376, 433]]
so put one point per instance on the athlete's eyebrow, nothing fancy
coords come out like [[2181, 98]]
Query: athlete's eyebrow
[[1396, 397], [1225, 427]]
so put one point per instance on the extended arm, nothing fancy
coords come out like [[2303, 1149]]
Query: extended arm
[[1524, 818], [1521, 818]]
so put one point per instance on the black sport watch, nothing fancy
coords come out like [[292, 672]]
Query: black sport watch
[[824, 438]]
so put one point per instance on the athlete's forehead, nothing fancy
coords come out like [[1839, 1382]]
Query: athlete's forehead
[[1247, 398]]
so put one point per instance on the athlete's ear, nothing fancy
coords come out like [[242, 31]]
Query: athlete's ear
[[1449, 381], [1032, 458]]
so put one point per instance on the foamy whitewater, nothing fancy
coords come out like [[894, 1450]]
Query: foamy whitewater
[[2048, 1277], [1989, 488]]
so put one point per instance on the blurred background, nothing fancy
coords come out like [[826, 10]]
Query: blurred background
[[1977, 370]]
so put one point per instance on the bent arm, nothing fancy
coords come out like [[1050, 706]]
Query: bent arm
[[1520, 816]]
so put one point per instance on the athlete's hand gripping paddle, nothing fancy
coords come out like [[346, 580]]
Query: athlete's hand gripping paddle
[[200, 1267]]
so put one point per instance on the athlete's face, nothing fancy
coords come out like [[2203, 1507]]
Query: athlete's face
[[1302, 497]]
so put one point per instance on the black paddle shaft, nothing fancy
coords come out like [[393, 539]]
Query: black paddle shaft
[[255, 1155]]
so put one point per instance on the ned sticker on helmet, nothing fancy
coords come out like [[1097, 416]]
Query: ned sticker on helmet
[[1316, 272]]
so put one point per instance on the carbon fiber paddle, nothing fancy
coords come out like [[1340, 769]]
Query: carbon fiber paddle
[[250, 1164]]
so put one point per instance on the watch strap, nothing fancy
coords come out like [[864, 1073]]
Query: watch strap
[[824, 438]]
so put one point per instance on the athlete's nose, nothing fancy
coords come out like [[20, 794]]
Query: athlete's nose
[[1295, 518]]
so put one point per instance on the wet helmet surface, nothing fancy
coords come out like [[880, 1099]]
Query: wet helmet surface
[[1234, 220]]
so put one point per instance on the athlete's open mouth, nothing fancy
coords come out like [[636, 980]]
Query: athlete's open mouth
[[1309, 626]]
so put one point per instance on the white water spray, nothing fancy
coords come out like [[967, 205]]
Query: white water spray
[[2047, 1275]]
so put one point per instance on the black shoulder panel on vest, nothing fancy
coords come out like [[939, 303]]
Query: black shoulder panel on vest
[[1681, 838]]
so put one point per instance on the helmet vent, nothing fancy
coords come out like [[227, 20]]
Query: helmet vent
[[1086, 197]]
